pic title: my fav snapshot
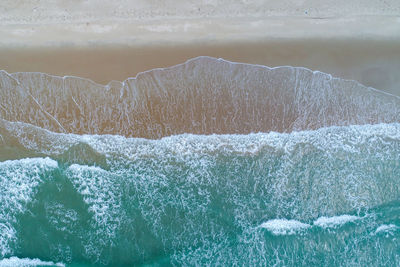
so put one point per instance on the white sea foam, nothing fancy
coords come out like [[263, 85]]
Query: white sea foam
[[18, 181], [26, 262], [386, 228], [100, 190], [7, 236], [284, 227], [335, 221], [351, 187]]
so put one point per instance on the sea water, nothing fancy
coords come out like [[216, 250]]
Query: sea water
[[201, 164]]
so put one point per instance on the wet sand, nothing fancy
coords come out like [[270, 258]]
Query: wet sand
[[373, 63], [356, 40]]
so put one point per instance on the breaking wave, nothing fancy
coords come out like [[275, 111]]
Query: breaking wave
[[16, 262]]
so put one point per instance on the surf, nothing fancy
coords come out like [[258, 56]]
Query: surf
[[205, 163]]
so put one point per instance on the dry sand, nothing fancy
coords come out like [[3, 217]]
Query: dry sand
[[113, 40]]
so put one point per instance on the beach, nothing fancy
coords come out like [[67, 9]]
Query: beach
[[199, 133], [120, 39]]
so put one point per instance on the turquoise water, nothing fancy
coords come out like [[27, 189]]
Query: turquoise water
[[205, 200], [318, 185]]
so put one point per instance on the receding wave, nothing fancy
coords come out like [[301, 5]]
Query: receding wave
[[202, 96], [317, 185]]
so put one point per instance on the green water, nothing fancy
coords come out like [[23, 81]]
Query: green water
[[329, 197]]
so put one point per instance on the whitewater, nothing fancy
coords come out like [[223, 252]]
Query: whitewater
[[205, 163]]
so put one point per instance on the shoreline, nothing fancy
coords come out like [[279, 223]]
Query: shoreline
[[349, 41], [375, 63]]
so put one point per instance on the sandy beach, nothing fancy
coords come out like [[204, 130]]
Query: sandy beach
[[199, 133], [352, 39]]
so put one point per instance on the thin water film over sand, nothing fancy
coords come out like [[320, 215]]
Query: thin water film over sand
[[202, 96]]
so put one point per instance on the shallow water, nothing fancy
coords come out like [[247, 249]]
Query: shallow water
[[202, 96], [317, 186]]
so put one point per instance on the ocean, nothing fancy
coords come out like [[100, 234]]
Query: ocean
[[206, 163]]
